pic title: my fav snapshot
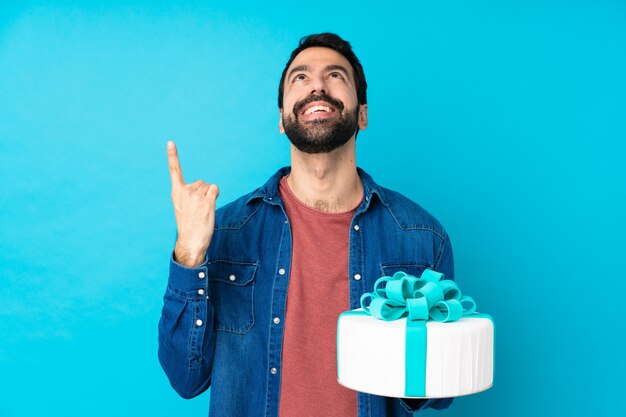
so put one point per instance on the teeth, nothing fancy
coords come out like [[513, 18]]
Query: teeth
[[317, 108]]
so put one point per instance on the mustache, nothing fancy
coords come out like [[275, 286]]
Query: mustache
[[297, 108]]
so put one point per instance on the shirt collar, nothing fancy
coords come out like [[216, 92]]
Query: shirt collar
[[269, 191]]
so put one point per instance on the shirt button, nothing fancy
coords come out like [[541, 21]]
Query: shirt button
[[281, 271], [276, 320], [286, 221], [201, 275], [357, 276], [198, 323], [356, 227], [232, 277], [200, 291], [273, 371]]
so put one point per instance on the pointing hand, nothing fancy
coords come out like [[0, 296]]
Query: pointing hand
[[194, 207]]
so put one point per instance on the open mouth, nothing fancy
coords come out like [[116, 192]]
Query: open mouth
[[317, 109]]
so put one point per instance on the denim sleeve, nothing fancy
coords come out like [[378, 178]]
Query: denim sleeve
[[186, 345], [445, 264], [444, 261]]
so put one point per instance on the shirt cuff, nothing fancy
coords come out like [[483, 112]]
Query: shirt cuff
[[188, 282]]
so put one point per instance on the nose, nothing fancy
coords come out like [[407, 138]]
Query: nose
[[319, 86]]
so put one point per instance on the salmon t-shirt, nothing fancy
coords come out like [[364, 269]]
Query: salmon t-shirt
[[318, 292]]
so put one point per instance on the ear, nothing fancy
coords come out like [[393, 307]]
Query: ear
[[363, 117], [281, 129]]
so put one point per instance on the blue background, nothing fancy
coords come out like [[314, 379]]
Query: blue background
[[505, 119]]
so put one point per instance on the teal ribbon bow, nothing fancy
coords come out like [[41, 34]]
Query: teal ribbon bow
[[424, 298], [420, 299]]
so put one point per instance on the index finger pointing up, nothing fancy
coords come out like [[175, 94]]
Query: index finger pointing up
[[176, 173]]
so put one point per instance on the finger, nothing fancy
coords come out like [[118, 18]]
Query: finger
[[176, 173], [213, 191], [203, 188], [195, 185]]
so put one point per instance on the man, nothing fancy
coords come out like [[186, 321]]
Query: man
[[255, 288]]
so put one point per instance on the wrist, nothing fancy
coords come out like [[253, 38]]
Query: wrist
[[187, 257]]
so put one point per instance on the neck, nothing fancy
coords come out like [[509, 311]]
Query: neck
[[327, 182]]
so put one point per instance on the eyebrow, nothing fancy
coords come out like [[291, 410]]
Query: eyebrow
[[298, 69], [305, 68], [337, 68]]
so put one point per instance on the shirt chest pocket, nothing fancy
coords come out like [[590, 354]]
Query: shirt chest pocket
[[232, 294], [411, 268]]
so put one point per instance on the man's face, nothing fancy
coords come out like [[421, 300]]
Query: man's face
[[320, 108]]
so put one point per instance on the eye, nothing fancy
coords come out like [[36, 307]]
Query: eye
[[299, 77], [335, 75]]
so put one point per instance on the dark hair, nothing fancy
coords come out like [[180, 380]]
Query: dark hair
[[334, 42]]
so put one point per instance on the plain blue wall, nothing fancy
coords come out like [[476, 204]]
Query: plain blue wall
[[505, 119]]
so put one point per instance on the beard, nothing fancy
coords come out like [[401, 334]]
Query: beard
[[320, 135]]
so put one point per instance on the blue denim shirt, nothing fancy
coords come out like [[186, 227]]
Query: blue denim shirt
[[218, 326]]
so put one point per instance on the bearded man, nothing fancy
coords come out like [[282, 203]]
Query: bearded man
[[255, 288]]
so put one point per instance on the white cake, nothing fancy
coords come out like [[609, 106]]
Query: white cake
[[372, 356]]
